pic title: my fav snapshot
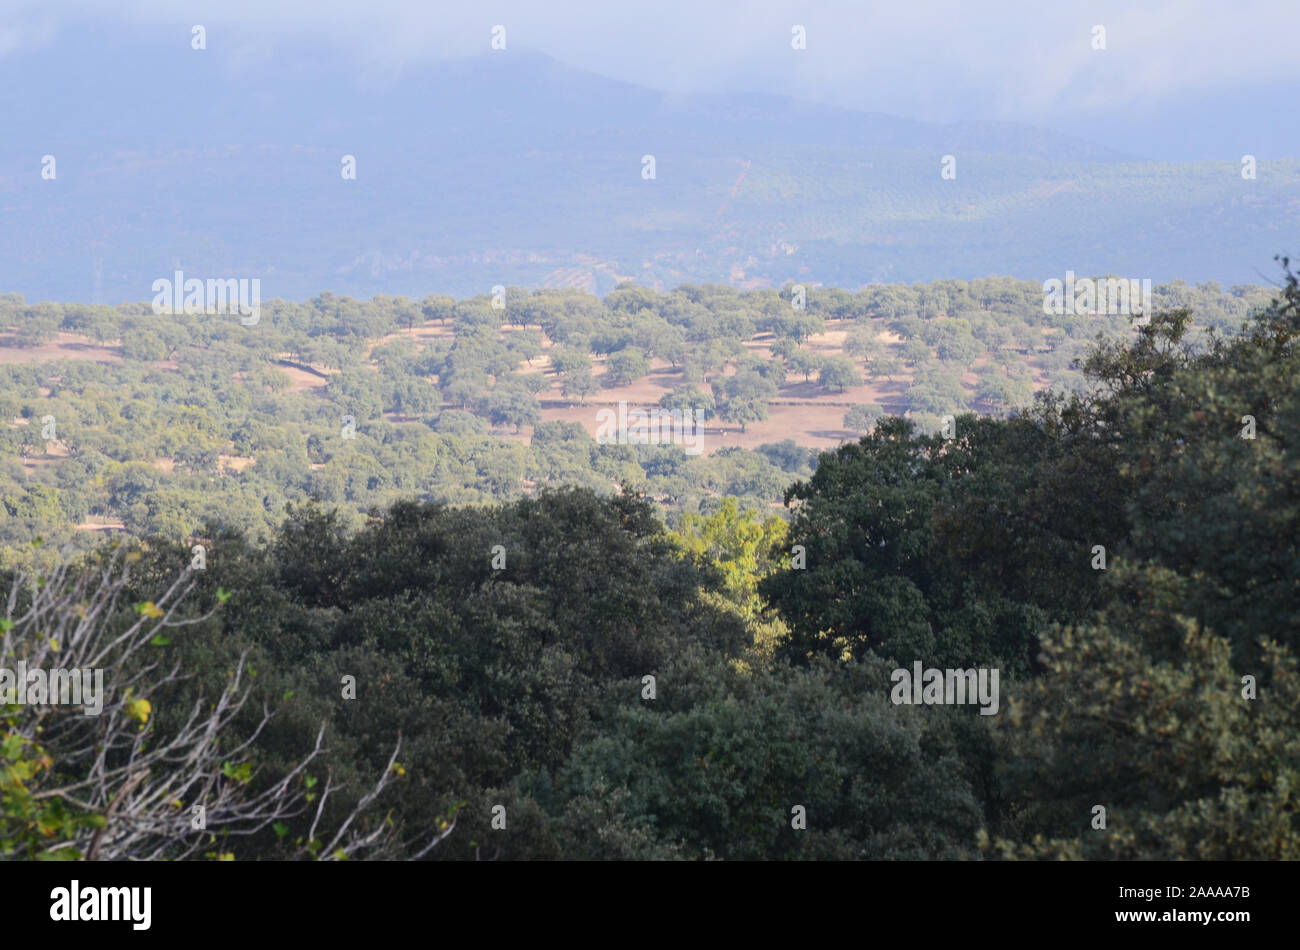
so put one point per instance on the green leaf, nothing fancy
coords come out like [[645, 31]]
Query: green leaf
[[12, 747], [240, 773], [63, 854]]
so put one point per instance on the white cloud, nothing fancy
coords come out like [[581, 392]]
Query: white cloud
[[930, 59]]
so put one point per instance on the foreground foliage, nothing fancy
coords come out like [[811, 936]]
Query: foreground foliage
[[570, 679]]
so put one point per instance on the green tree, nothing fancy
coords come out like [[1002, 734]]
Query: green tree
[[862, 343], [511, 405], [806, 363], [743, 397], [914, 352], [143, 346], [688, 399], [838, 374], [863, 417], [626, 366], [885, 366], [579, 383]]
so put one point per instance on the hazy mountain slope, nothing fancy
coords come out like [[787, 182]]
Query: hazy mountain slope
[[512, 168]]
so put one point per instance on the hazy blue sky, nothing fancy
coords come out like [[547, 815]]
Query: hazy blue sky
[[1179, 80], [1028, 61]]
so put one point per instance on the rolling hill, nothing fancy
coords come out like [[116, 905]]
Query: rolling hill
[[512, 168]]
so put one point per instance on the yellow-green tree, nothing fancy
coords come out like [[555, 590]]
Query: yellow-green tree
[[745, 548]]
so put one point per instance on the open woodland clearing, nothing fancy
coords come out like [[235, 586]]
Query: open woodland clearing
[[480, 398]]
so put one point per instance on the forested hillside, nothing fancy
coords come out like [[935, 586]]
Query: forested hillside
[[561, 674], [122, 419]]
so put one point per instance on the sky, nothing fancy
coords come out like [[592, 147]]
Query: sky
[[1161, 80], [1177, 81], [1018, 60]]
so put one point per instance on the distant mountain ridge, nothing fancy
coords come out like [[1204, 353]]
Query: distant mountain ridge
[[510, 167]]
